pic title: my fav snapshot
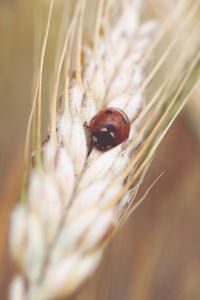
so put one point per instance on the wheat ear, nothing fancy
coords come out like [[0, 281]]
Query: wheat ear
[[73, 202]]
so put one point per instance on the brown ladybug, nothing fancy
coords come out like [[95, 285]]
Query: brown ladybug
[[109, 128]]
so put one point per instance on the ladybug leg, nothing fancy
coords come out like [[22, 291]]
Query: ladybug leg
[[91, 145]]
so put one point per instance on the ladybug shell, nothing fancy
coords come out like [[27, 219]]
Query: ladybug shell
[[109, 127]]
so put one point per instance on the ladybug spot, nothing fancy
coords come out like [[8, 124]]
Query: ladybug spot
[[124, 121], [109, 112], [112, 134]]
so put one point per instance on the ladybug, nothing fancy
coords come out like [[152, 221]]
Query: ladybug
[[109, 128]]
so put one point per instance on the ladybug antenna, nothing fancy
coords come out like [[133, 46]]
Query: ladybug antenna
[[86, 125]]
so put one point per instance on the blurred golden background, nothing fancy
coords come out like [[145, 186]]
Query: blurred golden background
[[157, 253]]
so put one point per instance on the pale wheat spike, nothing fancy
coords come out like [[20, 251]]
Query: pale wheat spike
[[77, 200]]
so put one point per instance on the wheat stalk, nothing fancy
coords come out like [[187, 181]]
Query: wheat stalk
[[73, 202]]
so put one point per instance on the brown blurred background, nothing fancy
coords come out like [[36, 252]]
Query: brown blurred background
[[157, 254]]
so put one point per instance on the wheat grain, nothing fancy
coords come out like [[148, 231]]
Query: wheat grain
[[73, 201]]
